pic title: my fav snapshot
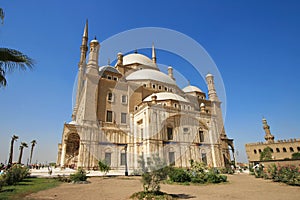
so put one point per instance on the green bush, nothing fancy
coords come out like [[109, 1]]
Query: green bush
[[16, 174], [287, 174], [226, 170], [296, 156], [80, 175], [198, 173], [179, 175], [2, 181], [153, 173], [63, 178], [212, 177], [103, 167]]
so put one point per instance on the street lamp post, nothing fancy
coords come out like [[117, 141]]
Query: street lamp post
[[126, 168]]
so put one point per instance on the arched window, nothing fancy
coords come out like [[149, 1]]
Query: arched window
[[201, 136], [259, 150], [291, 149], [271, 150], [298, 149], [170, 133], [255, 152], [204, 157], [172, 158], [277, 150], [284, 149]]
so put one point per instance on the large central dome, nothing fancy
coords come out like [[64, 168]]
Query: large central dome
[[150, 74], [136, 58]]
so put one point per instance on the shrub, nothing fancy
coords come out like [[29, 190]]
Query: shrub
[[153, 174], [212, 177], [63, 178], [226, 170], [151, 196], [2, 181], [80, 175], [16, 174], [103, 167], [287, 174], [296, 156], [179, 175], [198, 173]]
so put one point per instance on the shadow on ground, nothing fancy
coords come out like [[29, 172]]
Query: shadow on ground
[[183, 196]]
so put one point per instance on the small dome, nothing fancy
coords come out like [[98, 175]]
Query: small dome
[[94, 41], [72, 122], [202, 105], [138, 58], [191, 88], [209, 75], [150, 74], [108, 68], [165, 96]]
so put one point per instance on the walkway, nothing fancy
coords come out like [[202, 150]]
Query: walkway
[[240, 186]]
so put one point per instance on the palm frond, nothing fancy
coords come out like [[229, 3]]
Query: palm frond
[[10, 59], [1, 15], [2, 78]]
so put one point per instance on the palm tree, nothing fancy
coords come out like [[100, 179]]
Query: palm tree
[[13, 139], [23, 144], [33, 143], [11, 59]]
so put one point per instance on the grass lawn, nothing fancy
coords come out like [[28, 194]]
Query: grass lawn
[[27, 186]]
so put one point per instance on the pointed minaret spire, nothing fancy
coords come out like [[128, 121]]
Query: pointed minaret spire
[[83, 47], [153, 53], [81, 68], [268, 137]]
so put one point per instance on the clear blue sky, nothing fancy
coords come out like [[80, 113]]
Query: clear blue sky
[[255, 44]]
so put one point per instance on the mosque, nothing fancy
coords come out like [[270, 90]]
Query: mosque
[[133, 110]]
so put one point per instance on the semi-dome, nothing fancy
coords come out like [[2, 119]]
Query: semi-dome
[[191, 88], [108, 68], [149, 74], [138, 58], [165, 96]]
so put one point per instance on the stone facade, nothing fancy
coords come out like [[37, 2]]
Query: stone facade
[[133, 110], [281, 149]]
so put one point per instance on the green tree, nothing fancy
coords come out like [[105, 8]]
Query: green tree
[[33, 143], [103, 167], [13, 139], [23, 144], [266, 154], [153, 173], [296, 156], [11, 59]]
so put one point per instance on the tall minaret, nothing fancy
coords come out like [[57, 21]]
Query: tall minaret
[[90, 88], [153, 54], [268, 137], [93, 56], [83, 47], [212, 94], [81, 67]]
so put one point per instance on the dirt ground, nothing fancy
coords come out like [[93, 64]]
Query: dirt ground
[[240, 186]]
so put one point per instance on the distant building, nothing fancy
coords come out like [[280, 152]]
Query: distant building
[[133, 109], [281, 149]]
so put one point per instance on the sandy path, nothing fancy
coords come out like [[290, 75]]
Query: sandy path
[[240, 186]]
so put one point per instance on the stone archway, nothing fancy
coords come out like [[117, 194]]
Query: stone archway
[[72, 150]]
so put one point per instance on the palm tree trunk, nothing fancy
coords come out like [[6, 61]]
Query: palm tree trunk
[[31, 152], [21, 154], [11, 151]]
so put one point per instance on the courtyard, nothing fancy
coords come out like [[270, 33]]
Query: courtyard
[[239, 186]]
